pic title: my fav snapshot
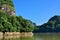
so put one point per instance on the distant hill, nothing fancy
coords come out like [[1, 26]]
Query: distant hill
[[55, 18], [53, 25]]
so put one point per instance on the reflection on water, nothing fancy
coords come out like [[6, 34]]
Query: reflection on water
[[47, 36], [37, 36], [21, 38]]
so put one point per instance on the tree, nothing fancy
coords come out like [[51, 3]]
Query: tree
[[1, 27]]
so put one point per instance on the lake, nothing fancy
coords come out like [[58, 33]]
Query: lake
[[38, 36], [47, 36]]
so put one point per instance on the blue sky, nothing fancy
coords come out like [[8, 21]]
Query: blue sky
[[38, 11]]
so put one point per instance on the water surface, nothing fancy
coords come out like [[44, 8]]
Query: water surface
[[47, 36], [38, 36]]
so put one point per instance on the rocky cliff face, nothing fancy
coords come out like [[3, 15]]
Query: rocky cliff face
[[7, 6]]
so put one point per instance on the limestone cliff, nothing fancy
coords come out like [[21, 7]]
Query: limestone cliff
[[7, 6]]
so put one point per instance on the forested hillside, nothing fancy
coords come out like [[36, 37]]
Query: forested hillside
[[14, 23], [53, 25]]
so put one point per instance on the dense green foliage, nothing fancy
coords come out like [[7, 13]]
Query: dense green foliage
[[8, 2], [14, 23], [53, 25], [9, 23]]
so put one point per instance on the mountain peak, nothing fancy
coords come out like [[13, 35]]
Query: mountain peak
[[55, 18]]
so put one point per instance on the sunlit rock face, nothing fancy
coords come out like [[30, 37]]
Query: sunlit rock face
[[7, 6]]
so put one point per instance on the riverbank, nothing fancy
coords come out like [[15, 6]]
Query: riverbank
[[16, 34]]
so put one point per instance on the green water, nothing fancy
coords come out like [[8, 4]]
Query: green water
[[47, 36], [38, 36]]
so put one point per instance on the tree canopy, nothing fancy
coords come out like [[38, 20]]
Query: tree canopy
[[14, 23]]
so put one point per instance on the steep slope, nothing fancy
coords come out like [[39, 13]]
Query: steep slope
[[7, 6]]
